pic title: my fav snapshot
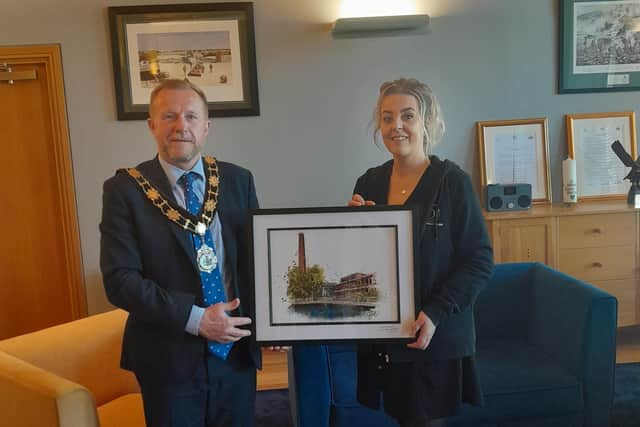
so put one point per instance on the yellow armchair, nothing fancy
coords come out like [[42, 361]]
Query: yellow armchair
[[69, 376]]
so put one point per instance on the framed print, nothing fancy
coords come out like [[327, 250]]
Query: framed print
[[599, 172], [210, 44], [516, 152], [333, 274], [599, 47]]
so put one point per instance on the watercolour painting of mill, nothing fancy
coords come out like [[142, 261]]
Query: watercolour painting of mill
[[353, 297], [332, 274]]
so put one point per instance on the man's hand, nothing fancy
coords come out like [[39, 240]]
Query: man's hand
[[217, 325], [426, 327]]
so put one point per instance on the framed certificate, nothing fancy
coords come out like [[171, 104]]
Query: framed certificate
[[516, 152], [599, 172], [333, 274]]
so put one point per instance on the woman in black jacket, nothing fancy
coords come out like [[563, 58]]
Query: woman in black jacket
[[422, 383]]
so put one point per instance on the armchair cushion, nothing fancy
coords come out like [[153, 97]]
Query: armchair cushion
[[518, 379], [125, 411], [343, 382], [329, 385]]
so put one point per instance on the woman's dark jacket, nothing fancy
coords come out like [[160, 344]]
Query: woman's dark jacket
[[455, 257]]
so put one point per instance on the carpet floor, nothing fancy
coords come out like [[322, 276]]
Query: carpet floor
[[626, 401], [272, 407]]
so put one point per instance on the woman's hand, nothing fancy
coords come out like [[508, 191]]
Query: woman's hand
[[358, 200], [426, 327]]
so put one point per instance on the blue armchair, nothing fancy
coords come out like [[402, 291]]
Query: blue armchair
[[545, 353]]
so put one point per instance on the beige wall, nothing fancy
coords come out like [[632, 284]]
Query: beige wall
[[487, 60]]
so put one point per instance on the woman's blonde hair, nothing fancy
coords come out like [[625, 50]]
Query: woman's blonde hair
[[430, 112]]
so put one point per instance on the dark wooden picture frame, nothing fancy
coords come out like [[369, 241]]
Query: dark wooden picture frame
[[211, 44], [334, 274]]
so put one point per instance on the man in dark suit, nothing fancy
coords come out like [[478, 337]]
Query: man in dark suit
[[175, 255]]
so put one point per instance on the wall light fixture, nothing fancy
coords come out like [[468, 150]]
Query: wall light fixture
[[380, 26]]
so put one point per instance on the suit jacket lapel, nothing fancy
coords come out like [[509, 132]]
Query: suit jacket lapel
[[230, 248], [156, 176]]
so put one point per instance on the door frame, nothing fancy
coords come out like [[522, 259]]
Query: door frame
[[50, 57]]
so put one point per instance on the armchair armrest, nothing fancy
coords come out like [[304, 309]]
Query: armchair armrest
[[84, 351], [40, 398], [575, 323]]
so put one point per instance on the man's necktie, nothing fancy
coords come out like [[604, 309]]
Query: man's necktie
[[212, 287]]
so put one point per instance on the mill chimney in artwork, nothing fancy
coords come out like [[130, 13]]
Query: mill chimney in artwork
[[302, 257]]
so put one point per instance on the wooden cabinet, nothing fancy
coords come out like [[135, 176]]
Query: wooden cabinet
[[529, 239], [597, 242]]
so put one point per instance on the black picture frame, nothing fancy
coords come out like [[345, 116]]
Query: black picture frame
[[595, 54], [359, 281], [211, 44]]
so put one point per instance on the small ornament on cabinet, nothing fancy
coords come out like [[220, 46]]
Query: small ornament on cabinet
[[633, 198], [569, 181]]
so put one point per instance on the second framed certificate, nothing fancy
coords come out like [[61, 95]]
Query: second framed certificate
[[516, 152], [599, 172], [333, 274]]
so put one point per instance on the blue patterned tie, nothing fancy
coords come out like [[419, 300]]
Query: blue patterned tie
[[212, 288]]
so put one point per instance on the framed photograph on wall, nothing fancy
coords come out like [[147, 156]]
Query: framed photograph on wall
[[599, 47], [209, 44], [333, 274], [599, 172], [516, 152]]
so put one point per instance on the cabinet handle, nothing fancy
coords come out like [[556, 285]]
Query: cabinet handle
[[596, 231], [596, 265]]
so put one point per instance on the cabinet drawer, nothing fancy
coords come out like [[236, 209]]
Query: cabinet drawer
[[626, 292], [607, 262], [585, 231]]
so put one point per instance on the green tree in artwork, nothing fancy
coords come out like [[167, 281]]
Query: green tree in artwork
[[304, 284]]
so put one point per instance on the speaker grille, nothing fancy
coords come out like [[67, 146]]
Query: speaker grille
[[524, 201], [495, 202]]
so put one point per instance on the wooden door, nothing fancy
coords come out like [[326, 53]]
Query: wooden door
[[41, 282]]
